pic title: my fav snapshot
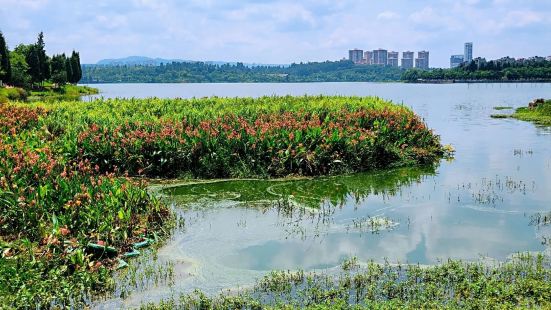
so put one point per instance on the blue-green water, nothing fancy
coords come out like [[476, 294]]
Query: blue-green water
[[480, 205]]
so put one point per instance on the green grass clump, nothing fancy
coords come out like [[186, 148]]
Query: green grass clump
[[499, 116], [523, 282], [502, 108], [12, 94], [540, 114], [243, 137]]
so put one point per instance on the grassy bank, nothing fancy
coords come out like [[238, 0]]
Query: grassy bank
[[47, 93], [242, 137], [541, 114], [523, 282]]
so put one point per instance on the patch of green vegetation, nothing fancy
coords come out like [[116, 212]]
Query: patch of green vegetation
[[12, 94], [499, 116], [502, 108], [541, 114], [65, 92], [243, 137], [52, 207], [523, 282]]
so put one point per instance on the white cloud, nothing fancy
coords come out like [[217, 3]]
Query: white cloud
[[388, 15]]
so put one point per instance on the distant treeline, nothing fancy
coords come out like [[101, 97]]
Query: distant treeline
[[200, 72], [28, 65], [504, 69]]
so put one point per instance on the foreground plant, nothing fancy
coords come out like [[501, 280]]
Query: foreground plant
[[51, 207], [523, 282]]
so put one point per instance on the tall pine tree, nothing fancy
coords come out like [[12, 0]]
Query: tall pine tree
[[75, 67], [5, 67], [33, 60], [43, 60], [68, 69]]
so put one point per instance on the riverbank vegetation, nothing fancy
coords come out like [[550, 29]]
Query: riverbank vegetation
[[523, 282], [538, 112], [479, 69], [52, 207], [199, 72]]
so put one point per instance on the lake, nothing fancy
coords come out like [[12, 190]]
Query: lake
[[484, 204]]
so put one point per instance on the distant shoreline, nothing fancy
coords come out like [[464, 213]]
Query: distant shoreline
[[476, 81], [307, 82]]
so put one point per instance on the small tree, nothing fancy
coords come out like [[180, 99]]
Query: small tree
[[20, 75]]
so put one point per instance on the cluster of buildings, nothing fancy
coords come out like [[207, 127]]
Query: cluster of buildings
[[456, 60], [384, 57]]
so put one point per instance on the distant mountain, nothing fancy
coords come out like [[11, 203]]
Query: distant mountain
[[148, 61]]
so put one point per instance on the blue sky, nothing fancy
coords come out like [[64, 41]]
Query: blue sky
[[279, 31]]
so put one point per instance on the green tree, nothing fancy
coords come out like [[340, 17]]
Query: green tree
[[5, 67], [33, 60], [43, 60], [20, 69], [68, 69], [59, 69], [75, 68]]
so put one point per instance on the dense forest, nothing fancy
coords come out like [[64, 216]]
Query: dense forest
[[199, 72], [479, 69], [28, 66]]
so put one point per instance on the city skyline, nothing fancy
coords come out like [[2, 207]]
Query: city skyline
[[278, 31]]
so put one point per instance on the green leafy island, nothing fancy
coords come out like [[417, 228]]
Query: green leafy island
[[502, 108], [539, 111], [499, 116]]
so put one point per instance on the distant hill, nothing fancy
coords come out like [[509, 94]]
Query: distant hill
[[148, 61]]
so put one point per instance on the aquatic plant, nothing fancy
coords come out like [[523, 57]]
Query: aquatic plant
[[52, 207], [523, 282], [243, 137]]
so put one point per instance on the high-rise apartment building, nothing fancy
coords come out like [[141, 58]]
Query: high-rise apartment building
[[456, 60], [407, 60], [380, 57], [468, 55], [422, 61], [368, 57], [392, 59], [356, 55]]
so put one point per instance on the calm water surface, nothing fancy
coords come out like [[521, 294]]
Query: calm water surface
[[480, 205]]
